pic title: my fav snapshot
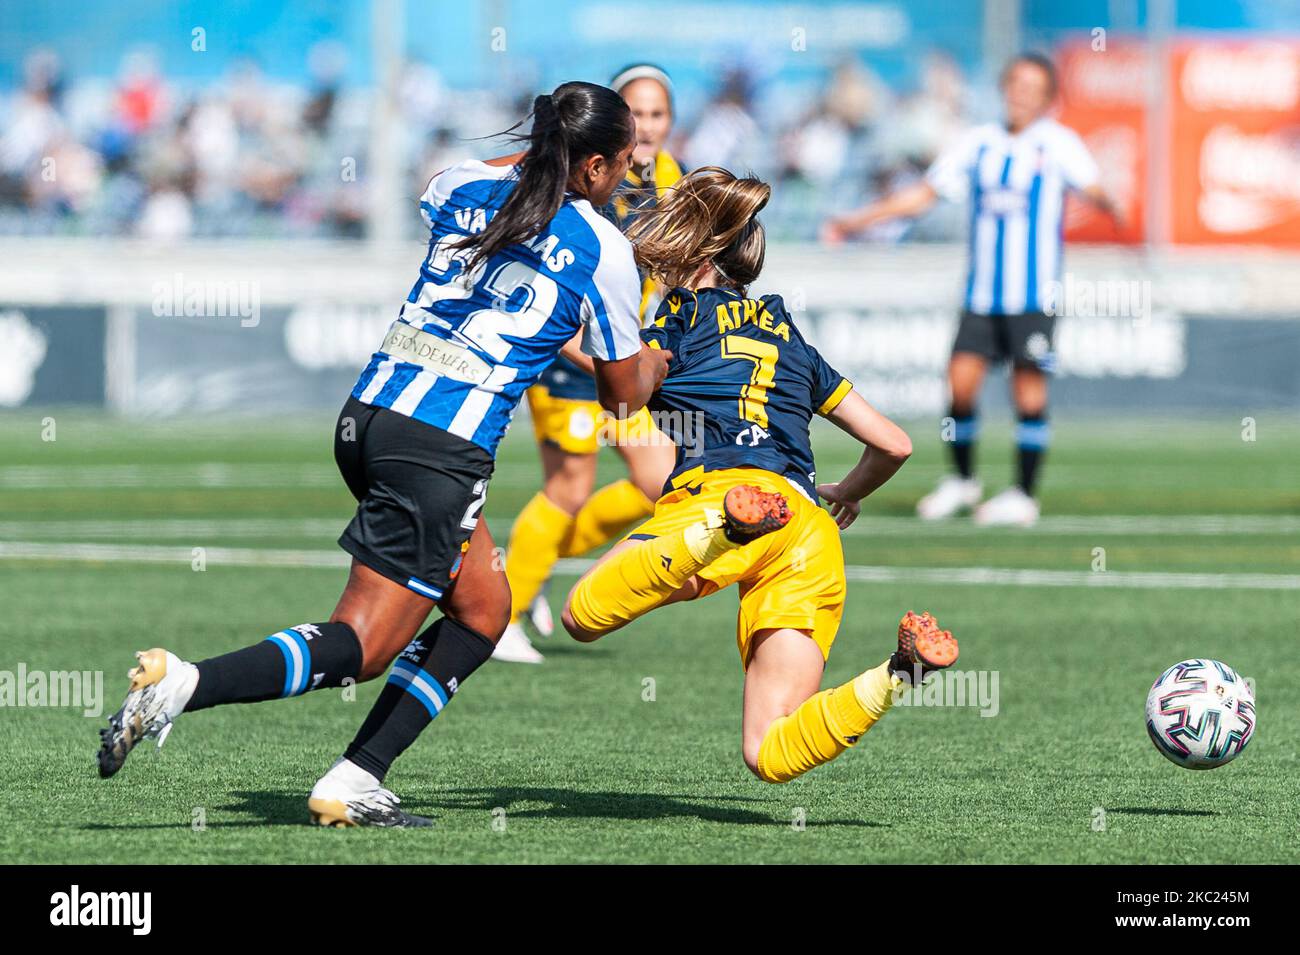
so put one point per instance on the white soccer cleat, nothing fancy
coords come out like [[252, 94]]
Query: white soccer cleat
[[953, 495], [349, 796], [1012, 508], [540, 616], [161, 684], [515, 647]]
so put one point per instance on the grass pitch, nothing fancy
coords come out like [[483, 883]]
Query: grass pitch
[[1161, 541]]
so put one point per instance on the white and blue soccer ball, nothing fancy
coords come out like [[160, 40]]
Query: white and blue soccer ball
[[1200, 713]]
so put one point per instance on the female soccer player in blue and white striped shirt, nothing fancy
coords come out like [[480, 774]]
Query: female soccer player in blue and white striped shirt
[[519, 264], [1015, 175]]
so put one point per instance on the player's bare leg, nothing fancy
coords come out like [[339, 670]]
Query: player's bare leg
[[384, 614], [648, 573], [966, 371], [537, 541], [479, 597], [428, 672], [785, 669], [1028, 390], [790, 728], [649, 464], [961, 490]]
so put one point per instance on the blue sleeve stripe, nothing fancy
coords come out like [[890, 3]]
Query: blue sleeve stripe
[[602, 318]]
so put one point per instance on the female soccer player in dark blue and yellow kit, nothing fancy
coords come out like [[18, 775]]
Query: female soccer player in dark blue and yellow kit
[[741, 502]]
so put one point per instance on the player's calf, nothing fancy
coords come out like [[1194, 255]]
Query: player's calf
[[829, 722]]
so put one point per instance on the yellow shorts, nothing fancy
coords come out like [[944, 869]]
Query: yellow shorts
[[581, 427], [793, 578]]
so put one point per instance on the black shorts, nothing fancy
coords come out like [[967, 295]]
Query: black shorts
[[419, 491], [1024, 340]]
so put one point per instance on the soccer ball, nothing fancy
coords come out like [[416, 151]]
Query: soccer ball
[[1200, 713]]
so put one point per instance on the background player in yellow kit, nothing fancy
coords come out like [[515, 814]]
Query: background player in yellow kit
[[742, 508], [564, 518]]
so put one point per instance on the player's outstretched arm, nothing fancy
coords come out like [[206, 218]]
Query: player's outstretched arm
[[906, 203], [887, 447], [1103, 201], [623, 387]]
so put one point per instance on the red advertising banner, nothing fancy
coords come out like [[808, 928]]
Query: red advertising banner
[[1235, 142], [1103, 99]]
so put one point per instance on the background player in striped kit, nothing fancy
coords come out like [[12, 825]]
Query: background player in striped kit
[[1015, 174], [564, 518], [519, 261]]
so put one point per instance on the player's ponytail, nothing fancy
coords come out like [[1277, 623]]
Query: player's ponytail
[[708, 217], [576, 121]]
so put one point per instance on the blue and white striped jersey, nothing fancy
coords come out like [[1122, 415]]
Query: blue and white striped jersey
[[468, 344], [1016, 185]]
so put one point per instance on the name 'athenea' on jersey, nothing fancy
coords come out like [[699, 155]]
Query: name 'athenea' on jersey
[[743, 366]]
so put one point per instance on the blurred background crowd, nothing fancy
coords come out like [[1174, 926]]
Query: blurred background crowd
[[170, 119], [249, 155]]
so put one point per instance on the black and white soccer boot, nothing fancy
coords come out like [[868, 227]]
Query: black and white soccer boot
[[349, 796], [161, 684]]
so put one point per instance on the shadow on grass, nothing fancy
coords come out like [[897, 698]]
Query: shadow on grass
[[1157, 811], [272, 808], [561, 646], [582, 804], [290, 808]]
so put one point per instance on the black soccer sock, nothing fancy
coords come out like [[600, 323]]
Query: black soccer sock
[[310, 656], [965, 430], [1033, 435], [423, 679]]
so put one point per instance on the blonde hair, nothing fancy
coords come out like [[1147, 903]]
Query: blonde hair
[[708, 217]]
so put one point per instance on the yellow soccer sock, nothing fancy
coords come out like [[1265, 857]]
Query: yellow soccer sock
[[534, 548], [644, 575], [605, 515], [825, 725]]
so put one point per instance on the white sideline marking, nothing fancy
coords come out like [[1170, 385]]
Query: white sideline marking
[[1192, 525], [148, 554], [997, 576], [211, 474], [1187, 525], [188, 529]]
